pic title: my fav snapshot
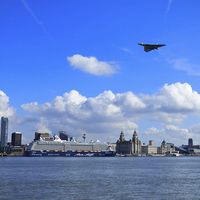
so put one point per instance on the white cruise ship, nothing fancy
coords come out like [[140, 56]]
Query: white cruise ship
[[58, 147]]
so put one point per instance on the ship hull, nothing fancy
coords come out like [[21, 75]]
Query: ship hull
[[70, 154]]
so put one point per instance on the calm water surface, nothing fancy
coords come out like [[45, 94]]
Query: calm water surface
[[100, 178]]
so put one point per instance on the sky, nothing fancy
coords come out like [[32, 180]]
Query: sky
[[76, 66]]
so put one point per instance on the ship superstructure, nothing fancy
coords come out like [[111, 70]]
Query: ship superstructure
[[57, 147]]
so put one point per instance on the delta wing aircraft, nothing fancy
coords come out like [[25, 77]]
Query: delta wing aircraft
[[149, 47]]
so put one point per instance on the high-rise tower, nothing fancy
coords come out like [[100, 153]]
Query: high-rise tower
[[4, 131], [16, 139], [190, 143]]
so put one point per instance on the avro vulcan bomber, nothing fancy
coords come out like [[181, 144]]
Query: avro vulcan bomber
[[149, 47]]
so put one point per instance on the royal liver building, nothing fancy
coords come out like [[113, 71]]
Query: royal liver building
[[128, 147]]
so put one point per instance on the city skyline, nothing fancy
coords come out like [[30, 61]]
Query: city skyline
[[76, 66]]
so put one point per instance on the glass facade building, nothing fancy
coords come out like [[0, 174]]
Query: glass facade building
[[4, 131]]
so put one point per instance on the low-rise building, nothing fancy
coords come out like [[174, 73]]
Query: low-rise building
[[166, 148], [190, 148], [149, 149], [17, 150]]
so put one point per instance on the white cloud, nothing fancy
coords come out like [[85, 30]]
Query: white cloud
[[92, 65], [170, 133], [5, 108], [184, 65], [180, 132], [103, 115], [152, 131], [33, 106], [42, 126], [106, 114], [174, 98], [169, 118], [130, 101]]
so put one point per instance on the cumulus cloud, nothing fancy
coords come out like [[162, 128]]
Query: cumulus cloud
[[174, 98], [105, 104], [105, 115], [169, 118], [184, 132], [92, 65], [174, 134], [152, 131], [5, 108], [42, 126]]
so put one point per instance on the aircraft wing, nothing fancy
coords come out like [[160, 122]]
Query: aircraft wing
[[160, 45], [149, 47]]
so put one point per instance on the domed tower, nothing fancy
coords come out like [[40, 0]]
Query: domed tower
[[163, 147], [136, 144], [135, 136], [121, 137]]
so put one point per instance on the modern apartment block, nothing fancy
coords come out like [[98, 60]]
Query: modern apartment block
[[16, 139]]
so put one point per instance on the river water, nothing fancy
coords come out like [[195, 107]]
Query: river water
[[117, 178]]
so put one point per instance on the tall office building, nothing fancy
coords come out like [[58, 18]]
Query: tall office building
[[16, 139], [190, 143], [4, 131]]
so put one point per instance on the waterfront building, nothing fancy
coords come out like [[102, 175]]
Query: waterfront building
[[4, 131], [190, 143], [16, 139], [190, 148], [166, 148], [16, 150], [149, 149], [136, 144], [128, 147], [123, 146]]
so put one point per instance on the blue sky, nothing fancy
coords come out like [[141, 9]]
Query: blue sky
[[38, 38]]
